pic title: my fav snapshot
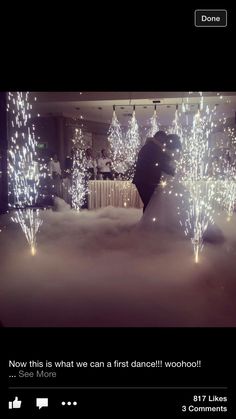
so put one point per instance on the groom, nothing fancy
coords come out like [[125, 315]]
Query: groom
[[152, 161]]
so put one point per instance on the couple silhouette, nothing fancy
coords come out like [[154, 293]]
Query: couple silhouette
[[154, 159]]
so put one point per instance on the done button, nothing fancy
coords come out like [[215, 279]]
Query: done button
[[210, 18]]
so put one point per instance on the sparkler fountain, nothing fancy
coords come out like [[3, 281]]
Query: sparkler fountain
[[196, 179], [132, 143], [176, 127], [154, 126], [228, 183], [79, 187], [117, 145], [23, 172]]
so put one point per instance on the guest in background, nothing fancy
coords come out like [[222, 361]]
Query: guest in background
[[91, 164], [55, 173], [67, 178], [90, 174], [104, 166], [69, 163], [55, 166]]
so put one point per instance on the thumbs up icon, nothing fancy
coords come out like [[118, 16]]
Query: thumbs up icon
[[16, 404]]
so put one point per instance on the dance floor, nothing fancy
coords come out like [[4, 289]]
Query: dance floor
[[98, 268]]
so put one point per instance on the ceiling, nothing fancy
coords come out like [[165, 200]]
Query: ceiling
[[98, 106]]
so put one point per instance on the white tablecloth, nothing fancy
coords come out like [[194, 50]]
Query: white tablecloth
[[117, 193]]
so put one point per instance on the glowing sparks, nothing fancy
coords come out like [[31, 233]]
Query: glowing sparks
[[154, 127], [229, 196], [195, 178], [79, 187], [116, 141], [223, 170], [23, 172], [163, 183], [176, 127], [132, 144], [192, 171], [29, 220], [228, 175], [201, 177], [33, 251], [22, 164]]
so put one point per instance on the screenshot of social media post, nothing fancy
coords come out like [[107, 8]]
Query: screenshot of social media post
[[119, 371], [117, 252], [118, 209]]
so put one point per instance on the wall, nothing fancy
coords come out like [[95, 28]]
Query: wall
[[58, 131], [52, 130], [99, 142], [96, 134], [46, 132]]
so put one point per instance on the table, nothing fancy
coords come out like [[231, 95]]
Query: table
[[117, 193]]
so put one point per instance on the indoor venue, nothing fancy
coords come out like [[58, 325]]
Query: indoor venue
[[117, 209]]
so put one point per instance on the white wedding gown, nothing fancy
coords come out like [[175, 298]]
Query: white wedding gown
[[168, 211], [165, 210]]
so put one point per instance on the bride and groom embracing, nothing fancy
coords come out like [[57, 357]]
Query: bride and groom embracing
[[157, 157]]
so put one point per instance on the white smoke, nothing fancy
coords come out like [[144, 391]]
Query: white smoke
[[100, 268]]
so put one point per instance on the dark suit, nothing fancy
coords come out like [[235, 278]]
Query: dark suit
[[152, 161]]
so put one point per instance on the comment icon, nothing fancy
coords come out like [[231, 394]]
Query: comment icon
[[41, 402]]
